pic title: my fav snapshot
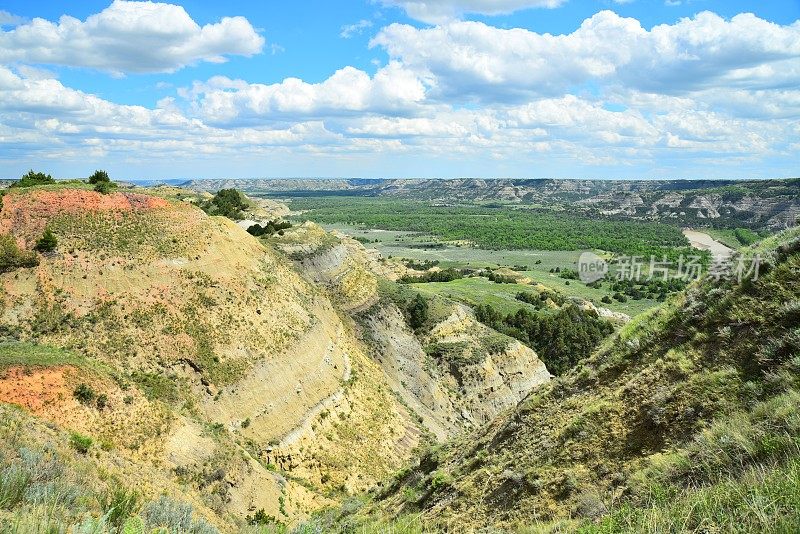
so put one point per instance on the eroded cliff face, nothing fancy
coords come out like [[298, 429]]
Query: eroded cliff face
[[410, 373], [458, 375], [350, 272], [455, 374]]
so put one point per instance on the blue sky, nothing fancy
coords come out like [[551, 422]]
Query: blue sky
[[393, 88]]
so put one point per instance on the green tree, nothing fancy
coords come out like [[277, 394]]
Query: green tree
[[561, 338], [98, 177], [47, 243], [227, 202], [31, 178], [417, 312]]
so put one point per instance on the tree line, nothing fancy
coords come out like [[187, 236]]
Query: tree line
[[99, 179], [561, 338], [497, 228]]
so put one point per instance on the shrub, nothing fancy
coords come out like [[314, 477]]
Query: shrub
[[12, 257], [445, 275], [34, 477], [48, 242], [102, 401], [268, 229], [500, 278], [118, 505], [31, 178], [14, 482], [530, 298], [261, 518], [103, 187], [174, 516], [567, 274], [80, 443], [85, 394], [282, 505], [417, 312], [102, 183], [440, 479]]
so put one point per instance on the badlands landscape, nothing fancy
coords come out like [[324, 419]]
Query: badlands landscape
[[161, 360], [399, 267]]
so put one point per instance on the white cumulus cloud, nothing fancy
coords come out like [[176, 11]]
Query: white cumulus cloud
[[705, 94], [130, 37], [476, 60], [348, 90]]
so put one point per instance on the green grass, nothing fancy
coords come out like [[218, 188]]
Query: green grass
[[764, 499], [478, 290], [19, 354], [14, 354], [474, 291]]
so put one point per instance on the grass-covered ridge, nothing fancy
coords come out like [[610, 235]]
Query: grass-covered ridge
[[15, 353], [689, 418]]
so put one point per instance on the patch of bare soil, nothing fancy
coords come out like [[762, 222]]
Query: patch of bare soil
[[36, 390]]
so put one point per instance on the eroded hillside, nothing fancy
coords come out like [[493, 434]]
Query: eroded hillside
[[217, 363], [453, 372]]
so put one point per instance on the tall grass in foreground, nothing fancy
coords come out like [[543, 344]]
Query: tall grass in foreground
[[764, 499]]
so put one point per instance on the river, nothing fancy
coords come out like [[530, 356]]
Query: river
[[704, 241]]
